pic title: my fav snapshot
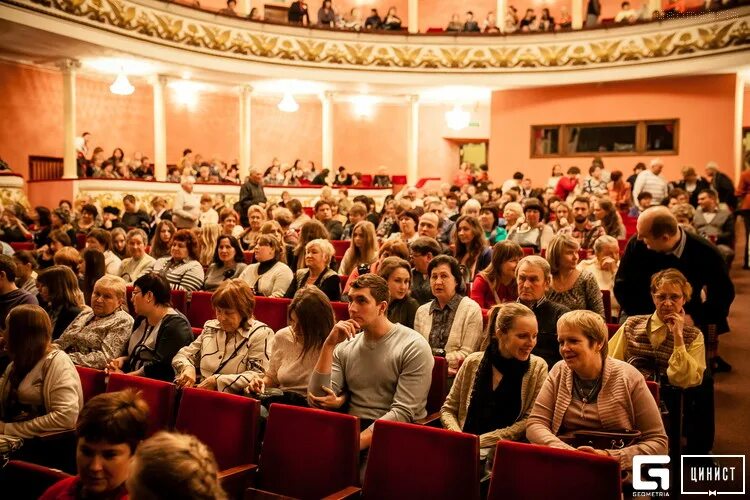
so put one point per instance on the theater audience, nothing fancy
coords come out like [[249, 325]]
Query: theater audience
[[170, 465], [229, 222], [40, 391], [532, 232], [60, 296], [363, 249], [87, 220], [715, 223], [158, 332], [181, 268], [571, 287], [139, 262], [643, 202], [488, 219], [160, 242], [324, 214], [496, 283], [310, 230], [110, 427], [26, 271], [472, 251], [296, 347], [99, 333], [318, 254], [390, 248], [268, 276], [232, 349], [591, 391], [606, 213], [603, 266], [394, 356], [100, 239], [495, 388], [228, 263], [513, 215], [402, 307], [186, 206], [452, 323], [391, 21], [256, 216], [91, 268], [582, 230]]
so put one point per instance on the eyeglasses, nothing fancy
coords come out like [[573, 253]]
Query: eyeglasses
[[663, 297]]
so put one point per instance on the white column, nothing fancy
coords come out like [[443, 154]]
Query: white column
[[159, 84], [413, 16], [244, 7], [245, 130], [502, 6], [739, 106], [652, 6], [70, 163], [327, 131], [412, 141], [576, 14]]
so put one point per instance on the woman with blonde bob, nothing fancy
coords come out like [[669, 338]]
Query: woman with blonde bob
[[256, 216], [495, 389], [171, 465], [589, 391], [232, 349], [363, 249], [40, 390], [570, 286], [318, 254]]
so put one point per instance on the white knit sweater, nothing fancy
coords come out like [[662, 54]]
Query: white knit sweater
[[273, 283], [466, 331]]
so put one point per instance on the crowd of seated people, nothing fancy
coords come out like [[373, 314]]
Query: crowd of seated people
[[419, 276]]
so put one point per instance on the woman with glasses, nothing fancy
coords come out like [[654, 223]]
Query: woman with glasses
[[158, 332]]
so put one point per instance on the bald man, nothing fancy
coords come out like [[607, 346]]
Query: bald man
[[663, 244]]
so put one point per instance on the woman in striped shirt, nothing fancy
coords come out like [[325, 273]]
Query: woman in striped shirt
[[181, 268]]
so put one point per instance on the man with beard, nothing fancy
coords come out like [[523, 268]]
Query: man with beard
[[583, 230]]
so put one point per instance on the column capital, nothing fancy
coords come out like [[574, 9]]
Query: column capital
[[68, 65], [412, 98], [155, 80], [328, 95], [246, 90]]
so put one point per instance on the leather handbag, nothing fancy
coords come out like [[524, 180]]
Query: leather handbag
[[606, 440]]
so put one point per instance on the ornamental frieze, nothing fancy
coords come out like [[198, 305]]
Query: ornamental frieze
[[708, 34]]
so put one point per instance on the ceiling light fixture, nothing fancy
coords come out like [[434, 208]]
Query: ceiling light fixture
[[457, 118], [121, 85], [288, 104], [364, 105]]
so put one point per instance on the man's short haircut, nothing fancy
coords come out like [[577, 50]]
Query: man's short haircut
[[358, 209], [663, 224], [582, 199], [574, 171], [320, 203], [377, 285], [645, 195], [26, 257], [709, 192], [114, 418], [424, 245], [90, 209], [518, 176], [8, 266], [538, 262], [102, 236], [295, 206], [129, 198]]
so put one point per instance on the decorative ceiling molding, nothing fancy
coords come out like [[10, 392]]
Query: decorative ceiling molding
[[720, 33]]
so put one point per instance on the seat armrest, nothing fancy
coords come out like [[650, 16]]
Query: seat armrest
[[348, 492], [430, 419], [54, 435], [237, 471]]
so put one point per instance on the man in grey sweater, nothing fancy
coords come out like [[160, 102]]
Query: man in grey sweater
[[385, 371]]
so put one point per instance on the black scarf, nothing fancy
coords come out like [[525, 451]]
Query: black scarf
[[263, 268], [495, 409]]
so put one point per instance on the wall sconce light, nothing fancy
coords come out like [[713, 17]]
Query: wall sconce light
[[121, 85], [457, 118], [288, 104]]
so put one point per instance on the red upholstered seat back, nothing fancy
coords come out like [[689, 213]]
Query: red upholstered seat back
[[272, 311], [413, 461], [528, 251], [612, 329], [22, 245], [26, 480], [129, 299], [566, 474], [340, 311], [179, 300], [439, 385], [93, 382], [653, 387], [248, 257], [226, 423], [158, 395], [308, 453], [607, 301], [340, 247], [200, 309], [343, 278]]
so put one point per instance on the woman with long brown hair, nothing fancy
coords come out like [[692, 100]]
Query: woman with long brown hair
[[496, 283], [363, 249], [607, 215], [472, 252], [160, 243], [61, 297], [40, 390]]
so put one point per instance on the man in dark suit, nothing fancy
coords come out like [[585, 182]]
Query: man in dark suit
[[722, 184], [324, 213], [663, 244], [297, 13], [251, 193]]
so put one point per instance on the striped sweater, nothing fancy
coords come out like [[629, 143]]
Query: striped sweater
[[624, 402], [187, 275]]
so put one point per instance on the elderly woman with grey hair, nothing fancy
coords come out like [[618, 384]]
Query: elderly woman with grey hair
[[603, 265], [99, 333], [139, 262], [318, 254]]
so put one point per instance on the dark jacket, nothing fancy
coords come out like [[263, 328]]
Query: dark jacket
[[547, 313], [335, 229], [64, 318], [403, 311], [700, 185], [328, 282], [725, 187], [139, 219], [701, 264], [297, 12], [174, 334]]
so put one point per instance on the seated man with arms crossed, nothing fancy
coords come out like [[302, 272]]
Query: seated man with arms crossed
[[385, 371]]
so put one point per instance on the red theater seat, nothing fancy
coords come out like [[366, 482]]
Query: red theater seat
[[248, 257], [340, 310], [308, 453], [158, 395], [607, 301], [93, 382], [200, 309], [179, 300], [81, 241], [340, 247], [528, 251], [343, 279], [438, 390], [612, 329], [272, 311], [129, 299], [413, 461], [22, 480], [22, 245], [566, 474]]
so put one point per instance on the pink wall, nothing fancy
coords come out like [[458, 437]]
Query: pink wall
[[210, 128], [365, 143], [703, 104], [286, 135], [746, 109]]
